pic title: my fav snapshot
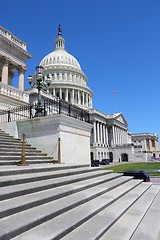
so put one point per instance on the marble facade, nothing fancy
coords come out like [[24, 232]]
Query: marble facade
[[13, 57]]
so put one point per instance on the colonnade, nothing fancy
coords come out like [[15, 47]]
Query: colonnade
[[74, 96], [103, 137], [146, 144], [119, 135], [7, 73], [68, 77], [100, 132]]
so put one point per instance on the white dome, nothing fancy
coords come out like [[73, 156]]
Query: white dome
[[60, 57]]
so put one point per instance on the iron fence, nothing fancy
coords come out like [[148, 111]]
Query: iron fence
[[50, 107]]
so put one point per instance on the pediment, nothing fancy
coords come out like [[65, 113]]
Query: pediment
[[119, 117]]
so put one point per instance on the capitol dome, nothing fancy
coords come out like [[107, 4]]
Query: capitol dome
[[68, 81], [60, 56]]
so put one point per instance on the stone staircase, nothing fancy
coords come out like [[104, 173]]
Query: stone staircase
[[11, 150], [42, 202]]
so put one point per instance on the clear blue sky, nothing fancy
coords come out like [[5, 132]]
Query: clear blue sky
[[117, 43]]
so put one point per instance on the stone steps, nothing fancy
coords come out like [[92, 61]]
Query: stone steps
[[11, 151], [9, 178], [22, 203], [133, 217], [59, 225], [75, 203], [149, 222]]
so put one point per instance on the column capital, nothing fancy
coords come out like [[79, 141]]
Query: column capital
[[21, 69], [5, 61]]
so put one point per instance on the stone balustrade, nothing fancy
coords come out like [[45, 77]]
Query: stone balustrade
[[13, 93], [12, 38]]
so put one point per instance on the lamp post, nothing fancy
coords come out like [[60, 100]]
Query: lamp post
[[40, 83]]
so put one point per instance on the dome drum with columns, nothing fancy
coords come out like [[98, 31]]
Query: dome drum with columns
[[68, 82]]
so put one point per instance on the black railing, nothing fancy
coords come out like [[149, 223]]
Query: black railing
[[50, 107]]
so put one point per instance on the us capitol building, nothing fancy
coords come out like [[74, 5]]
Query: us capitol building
[[109, 135]]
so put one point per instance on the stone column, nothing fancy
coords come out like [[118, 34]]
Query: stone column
[[121, 136], [98, 139], [120, 139], [60, 93], [115, 132], [106, 135], [95, 132], [118, 135], [72, 97], [21, 71], [78, 97], [91, 102], [113, 135], [101, 134], [150, 145], [5, 64], [87, 100], [55, 76], [54, 92], [66, 95], [83, 98]]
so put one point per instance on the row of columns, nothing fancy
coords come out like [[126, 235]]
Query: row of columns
[[68, 77], [7, 74], [146, 144], [118, 135], [78, 97], [100, 133]]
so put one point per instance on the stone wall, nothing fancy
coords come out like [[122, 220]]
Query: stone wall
[[43, 133]]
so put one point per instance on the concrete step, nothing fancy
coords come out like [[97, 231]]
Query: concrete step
[[6, 136], [52, 213], [16, 146], [10, 140], [20, 170], [11, 149], [94, 188], [149, 226], [95, 227], [58, 224], [28, 162], [48, 173], [133, 217], [19, 152], [17, 157], [30, 187]]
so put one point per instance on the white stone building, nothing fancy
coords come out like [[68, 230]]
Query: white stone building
[[146, 145], [109, 136], [13, 57]]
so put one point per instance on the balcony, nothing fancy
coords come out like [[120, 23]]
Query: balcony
[[14, 93]]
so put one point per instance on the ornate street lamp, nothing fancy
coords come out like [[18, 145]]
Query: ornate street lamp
[[39, 82]]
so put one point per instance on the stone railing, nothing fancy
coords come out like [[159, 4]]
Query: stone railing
[[12, 38], [13, 93]]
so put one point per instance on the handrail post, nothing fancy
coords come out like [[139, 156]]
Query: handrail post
[[59, 150], [23, 157]]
